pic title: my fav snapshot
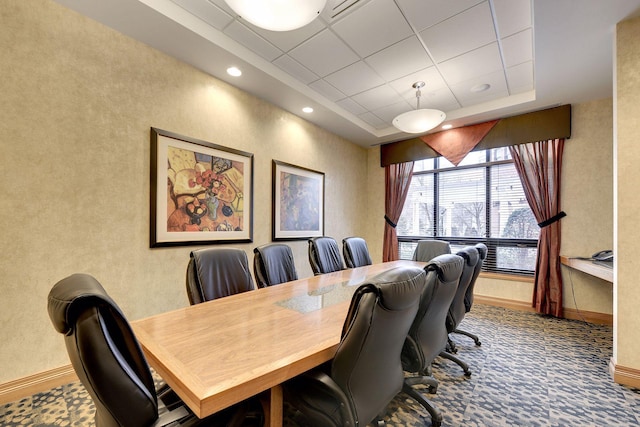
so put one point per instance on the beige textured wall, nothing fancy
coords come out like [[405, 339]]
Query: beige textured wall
[[587, 198], [627, 182], [78, 100]]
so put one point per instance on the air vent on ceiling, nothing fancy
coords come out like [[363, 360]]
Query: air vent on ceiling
[[338, 8]]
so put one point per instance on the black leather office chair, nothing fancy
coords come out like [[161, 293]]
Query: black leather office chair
[[356, 252], [366, 374], [217, 272], [468, 299], [457, 309], [428, 335], [273, 264], [324, 255], [429, 249], [109, 362]]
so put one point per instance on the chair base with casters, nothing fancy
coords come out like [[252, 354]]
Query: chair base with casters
[[434, 413], [475, 338], [453, 358]]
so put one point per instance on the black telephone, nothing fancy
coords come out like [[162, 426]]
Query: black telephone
[[606, 255]]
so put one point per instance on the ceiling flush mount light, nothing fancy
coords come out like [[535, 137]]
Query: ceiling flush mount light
[[307, 110], [278, 15], [419, 120]]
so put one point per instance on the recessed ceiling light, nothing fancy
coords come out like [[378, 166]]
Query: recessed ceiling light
[[481, 87], [234, 71], [307, 110], [445, 127]]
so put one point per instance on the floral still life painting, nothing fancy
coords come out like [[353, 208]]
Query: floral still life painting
[[207, 197], [298, 202]]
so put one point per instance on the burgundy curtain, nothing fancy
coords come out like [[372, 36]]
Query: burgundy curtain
[[397, 178], [539, 165]]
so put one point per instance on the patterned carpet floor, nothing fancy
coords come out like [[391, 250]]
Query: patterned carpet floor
[[530, 370]]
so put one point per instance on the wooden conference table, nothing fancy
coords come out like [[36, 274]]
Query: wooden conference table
[[224, 351]]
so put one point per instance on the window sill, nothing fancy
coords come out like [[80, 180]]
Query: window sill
[[504, 276]]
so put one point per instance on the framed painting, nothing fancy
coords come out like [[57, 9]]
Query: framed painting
[[201, 193], [298, 202]]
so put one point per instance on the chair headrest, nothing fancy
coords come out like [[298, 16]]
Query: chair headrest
[[470, 255], [482, 250], [71, 296], [448, 267], [405, 280]]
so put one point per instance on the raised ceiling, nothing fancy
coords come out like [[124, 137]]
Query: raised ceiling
[[356, 63]]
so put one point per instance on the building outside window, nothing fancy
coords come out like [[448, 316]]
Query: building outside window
[[480, 200]]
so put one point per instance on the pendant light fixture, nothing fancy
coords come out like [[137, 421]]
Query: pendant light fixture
[[278, 15], [419, 120]]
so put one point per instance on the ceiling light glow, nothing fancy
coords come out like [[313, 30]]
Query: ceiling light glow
[[278, 15], [234, 71], [307, 110]]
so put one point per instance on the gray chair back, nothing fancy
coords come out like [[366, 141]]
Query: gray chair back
[[104, 352], [324, 255], [217, 272], [428, 335], [273, 264], [482, 255], [355, 252], [365, 373], [429, 249], [458, 309]]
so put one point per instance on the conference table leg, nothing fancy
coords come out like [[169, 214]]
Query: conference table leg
[[272, 404]]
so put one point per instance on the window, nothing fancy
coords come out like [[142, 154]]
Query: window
[[480, 200]]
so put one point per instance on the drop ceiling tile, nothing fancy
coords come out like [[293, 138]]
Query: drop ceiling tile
[[400, 59], [208, 12], [351, 106], [512, 16], [373, 27], [324, 53], [248, 38], [378, 97], [497, 89], [426, 13], [287, 40], [479, 62], [517, 48], [430, 76], [390, 112], [520, 78], [373, 120], [328, 91], [355, 78], [295, 69], [462, 33]]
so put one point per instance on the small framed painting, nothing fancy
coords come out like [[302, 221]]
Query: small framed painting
[[201, 192], [298, 202]]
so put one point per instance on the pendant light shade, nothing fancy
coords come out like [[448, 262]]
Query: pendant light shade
[[419, 120], [278, 15]]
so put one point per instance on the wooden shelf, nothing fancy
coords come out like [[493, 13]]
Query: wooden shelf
[[587, 266]]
